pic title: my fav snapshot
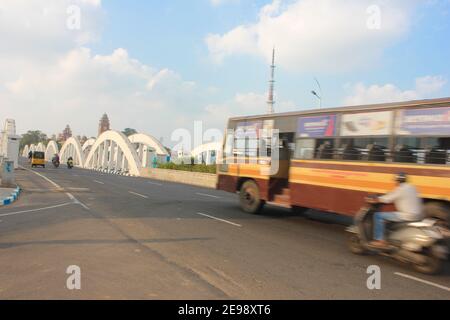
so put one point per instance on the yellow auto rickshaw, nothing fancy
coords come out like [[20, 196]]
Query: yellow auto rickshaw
[[38, 159]]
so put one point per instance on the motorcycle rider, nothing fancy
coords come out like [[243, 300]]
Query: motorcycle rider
[[55, 158], [408, 204], [70, 162]]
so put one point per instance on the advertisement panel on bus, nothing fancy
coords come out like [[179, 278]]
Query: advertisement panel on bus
[[367, 124], [419, 122], [317, 126]]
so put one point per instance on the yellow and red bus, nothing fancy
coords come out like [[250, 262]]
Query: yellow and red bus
[[330, 159]]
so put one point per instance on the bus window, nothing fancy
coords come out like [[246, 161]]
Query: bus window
[[304, 148], [437, 150], [325, 149], [429, 150], [410, 142], [252, 147], [228, 149], [371, 149], [239, 149]]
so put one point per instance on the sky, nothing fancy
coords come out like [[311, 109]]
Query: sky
[[158, 66]]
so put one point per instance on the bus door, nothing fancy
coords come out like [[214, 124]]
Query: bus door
[[279, 181]]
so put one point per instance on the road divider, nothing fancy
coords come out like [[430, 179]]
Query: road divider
[[199, 179]]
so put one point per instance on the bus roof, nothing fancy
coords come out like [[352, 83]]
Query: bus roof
[[370, 107]]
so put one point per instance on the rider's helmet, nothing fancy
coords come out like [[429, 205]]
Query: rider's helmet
[[401, 177]]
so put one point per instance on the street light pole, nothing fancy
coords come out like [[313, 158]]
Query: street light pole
[[315, 93], [318, 97]]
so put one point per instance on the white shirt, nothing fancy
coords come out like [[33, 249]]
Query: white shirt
[[407, 202]]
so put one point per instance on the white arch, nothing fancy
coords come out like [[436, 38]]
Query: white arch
[[147, 147], [52, 149], [33, 148], [87, 145], [150, 141], [207, 148], [113, 151], [72, 148], [40, 147], [26, 150]]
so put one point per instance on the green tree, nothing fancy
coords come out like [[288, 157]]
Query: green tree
[[33, 137], [129, 131]]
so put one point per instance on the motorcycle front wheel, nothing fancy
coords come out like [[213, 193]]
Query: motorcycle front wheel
[[432, 265]]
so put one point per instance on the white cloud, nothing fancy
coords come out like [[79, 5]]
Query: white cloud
[[38, 29], [316, 34], [80, 86], [425, 87], [49, 78]]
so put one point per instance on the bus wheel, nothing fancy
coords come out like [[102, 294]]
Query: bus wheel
[[439, 211], [250, 198]]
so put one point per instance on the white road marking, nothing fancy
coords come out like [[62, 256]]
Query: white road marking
[[75, 200], [71, 197], [154, 183], [45, 178], [138, 194], [99, 182], [207, 195], [423, 281], [218, 219], [78, 189], [39, 209]]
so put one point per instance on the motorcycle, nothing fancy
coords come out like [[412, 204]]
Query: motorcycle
[[70, 164], [418, 243], [55, 163]]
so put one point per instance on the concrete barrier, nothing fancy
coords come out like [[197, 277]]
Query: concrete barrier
[[207, 180]]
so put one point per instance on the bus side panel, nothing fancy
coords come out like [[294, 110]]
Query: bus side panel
[[342, 187], [432, 183], [227, 183], [263, 185], [231, 183], [346, 202]]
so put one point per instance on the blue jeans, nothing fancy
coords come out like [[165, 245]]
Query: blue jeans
[[380, 218]]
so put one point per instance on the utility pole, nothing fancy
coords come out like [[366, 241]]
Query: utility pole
[[270, 100]]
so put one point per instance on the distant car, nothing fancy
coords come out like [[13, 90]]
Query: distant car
[[38, 159]]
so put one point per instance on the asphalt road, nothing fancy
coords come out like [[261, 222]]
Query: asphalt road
[[135, 238]]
